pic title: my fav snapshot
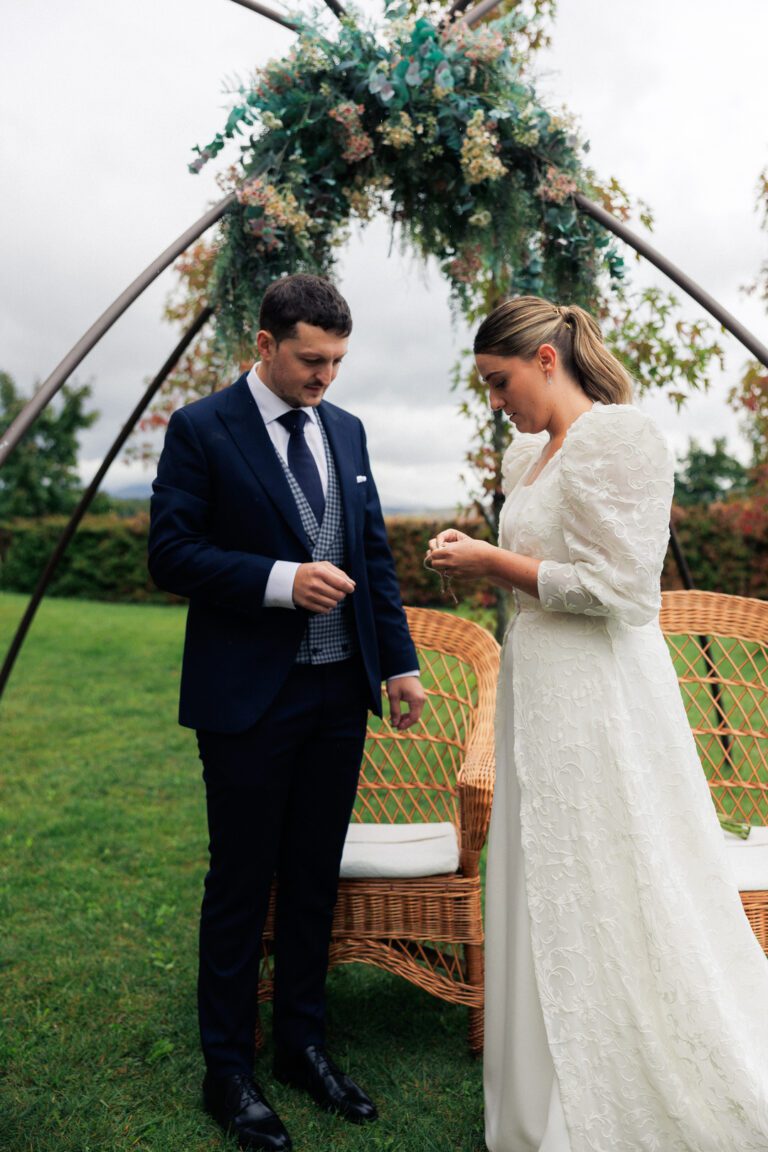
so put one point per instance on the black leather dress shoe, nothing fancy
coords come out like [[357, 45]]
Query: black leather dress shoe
[[315, 1072], [238, 1105]]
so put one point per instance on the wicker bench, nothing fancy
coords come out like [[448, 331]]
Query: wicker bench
[[719, 645], [427, 929]]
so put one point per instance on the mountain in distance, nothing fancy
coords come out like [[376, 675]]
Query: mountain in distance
[[131, 491], [420, 513], [144, 491]]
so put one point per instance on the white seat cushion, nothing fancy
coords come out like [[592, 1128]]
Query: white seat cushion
[[391, 851], [749, 859]]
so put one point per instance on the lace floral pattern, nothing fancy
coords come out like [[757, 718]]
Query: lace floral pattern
[[653, 989]]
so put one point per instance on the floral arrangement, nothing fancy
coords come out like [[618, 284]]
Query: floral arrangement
[[432, 123]]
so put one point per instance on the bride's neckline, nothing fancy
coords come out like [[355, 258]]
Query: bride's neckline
[[531, 483]]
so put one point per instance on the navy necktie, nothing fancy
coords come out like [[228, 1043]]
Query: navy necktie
[[302, 463]]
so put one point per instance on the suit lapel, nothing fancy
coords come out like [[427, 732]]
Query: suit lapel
[[337, 429], [245, 425]]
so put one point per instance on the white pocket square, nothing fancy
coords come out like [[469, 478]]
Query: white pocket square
[[361, 479]]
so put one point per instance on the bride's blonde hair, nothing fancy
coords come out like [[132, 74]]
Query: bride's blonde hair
[[519, 327]]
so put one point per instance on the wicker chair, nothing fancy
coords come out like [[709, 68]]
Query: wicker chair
[[719, 645], [429, 929]]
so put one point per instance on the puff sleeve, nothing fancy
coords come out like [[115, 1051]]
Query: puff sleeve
[[617, 480]]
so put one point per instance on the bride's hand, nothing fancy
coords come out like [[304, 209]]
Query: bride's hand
[[447, 536], [461, 556]]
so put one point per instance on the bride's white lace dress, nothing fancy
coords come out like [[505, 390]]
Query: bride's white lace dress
[[627, 998]]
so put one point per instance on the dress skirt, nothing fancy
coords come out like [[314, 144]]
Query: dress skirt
[[523, 1112]]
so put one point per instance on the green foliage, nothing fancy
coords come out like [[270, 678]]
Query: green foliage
[[750, 396], [725, 545], [658, 347], [102, 823], [106, 559], [40, 477], [750, 399], [705, 477]]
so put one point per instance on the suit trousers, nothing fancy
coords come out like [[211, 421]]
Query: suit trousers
[[279, 799]]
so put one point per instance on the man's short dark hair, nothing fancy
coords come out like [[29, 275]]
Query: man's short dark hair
[[302, 298]]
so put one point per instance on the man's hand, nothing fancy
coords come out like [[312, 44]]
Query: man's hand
[[405, 690], [319, 586]]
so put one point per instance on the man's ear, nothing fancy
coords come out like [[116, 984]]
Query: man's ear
[[266, 344]]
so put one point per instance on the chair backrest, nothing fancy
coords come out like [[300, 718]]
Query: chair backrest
[[719, 645], [412, 776]]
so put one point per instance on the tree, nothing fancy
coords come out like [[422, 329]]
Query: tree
[[750, 396], [40, 477], [706, 477]]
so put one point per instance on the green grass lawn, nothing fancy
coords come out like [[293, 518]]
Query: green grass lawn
[[102, 826]]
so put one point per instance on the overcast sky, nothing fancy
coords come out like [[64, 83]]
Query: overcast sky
[[101, 102]]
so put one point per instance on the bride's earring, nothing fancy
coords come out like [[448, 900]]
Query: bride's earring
[[549, 379]]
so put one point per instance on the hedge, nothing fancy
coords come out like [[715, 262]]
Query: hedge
[[107, 559], [726, 546]]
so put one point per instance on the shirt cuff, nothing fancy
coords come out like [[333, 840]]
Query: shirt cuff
[[279, 590], [399, 675]]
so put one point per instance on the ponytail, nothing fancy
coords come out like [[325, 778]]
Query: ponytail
[[519, 327]]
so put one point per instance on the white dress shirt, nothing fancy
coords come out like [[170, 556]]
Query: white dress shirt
[[279, 590]]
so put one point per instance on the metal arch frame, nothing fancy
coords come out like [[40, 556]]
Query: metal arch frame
[[670, 270], [88, 495], [90, 339], [270, 13], [87, 342]]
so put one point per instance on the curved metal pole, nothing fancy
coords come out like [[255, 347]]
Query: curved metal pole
[[728, 321], [337, 8], [270, 13], [679, 557], [60, 374], [480, 10], [456, 8], [87, 498]]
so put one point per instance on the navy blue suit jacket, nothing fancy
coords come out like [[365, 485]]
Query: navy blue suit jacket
[[222, 513]]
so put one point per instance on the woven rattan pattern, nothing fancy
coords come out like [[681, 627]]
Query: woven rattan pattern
[[719, 644], [429, 930]]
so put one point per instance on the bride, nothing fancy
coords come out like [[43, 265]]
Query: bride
[[626, 996]]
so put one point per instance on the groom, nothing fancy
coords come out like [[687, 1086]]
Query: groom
[[266, 516]]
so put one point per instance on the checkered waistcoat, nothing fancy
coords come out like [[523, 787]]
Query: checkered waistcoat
[[330, 637]]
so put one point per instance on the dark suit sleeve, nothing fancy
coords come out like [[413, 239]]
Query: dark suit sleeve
[[396, 649], [184, 557]]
